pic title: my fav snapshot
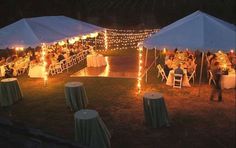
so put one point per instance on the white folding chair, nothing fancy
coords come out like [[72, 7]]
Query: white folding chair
[[162, 72], [69, 62], [192, 76], [74, 59], [211, 78], [177, 83], [64, 64], [158, 71], [51, 70]]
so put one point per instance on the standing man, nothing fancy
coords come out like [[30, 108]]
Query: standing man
[[216, 72]]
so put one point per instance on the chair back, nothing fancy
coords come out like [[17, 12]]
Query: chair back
[[177, 83]]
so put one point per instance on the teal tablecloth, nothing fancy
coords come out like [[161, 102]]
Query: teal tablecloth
[[9, 92], [75, 94], [90, 130], [155, 111]]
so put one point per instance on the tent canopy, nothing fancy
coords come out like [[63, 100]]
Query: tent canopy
[[68, 26], [31, 32], [195, 31], [25, 33]]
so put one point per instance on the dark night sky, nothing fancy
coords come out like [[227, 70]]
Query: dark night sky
[[117, 13]]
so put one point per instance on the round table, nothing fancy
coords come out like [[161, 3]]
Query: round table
[[95, 60], [155, 111], [170, 79], [10, 91], [75, 95], [90, 130]]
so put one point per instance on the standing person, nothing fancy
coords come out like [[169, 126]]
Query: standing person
[[216, 72]]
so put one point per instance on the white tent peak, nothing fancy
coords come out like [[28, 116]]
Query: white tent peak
[[195, 31]]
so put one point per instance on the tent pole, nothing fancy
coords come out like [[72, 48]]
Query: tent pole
[[155, 56], [95, 43], [146, 76], [201, 74], [146, 58]]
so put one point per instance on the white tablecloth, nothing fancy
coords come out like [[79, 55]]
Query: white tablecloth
[[2, 71], [170, 79], [228, 81], [94, 60], [36, 71]]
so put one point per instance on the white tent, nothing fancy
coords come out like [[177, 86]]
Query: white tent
[[47, 29], [195, 31]]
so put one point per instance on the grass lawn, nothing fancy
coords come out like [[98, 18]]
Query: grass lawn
[[195, 121]]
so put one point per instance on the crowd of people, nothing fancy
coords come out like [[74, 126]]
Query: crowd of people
[[54, 54], [179, 60], [219, 64]]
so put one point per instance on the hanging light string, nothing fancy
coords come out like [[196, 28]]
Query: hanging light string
[[122, 39], [105, 40], [139, 78], [44, 63]]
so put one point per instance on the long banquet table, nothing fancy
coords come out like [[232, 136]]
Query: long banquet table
[[36, 71]]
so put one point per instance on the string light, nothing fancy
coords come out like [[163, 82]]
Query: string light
[[139, 79], [44, 71], [61, 43], [123, 39], [164, 50], [105, 40], [93, 35], [19, 48]]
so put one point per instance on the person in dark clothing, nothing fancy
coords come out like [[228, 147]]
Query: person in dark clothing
[[60, 57], [179, 70], [216, 72], [8, 72], [71, 53]]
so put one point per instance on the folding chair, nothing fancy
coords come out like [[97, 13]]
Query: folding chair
[[211, 78], [192, 76], [51, 70], [69, 62], [158, 71], [74, 59], [177, 83], [162, 72]]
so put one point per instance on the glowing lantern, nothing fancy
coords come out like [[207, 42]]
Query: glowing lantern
[[76, 39], [71, 41], [93, 35], [164, 50], [61, 43], [19, 48], [84, 37]]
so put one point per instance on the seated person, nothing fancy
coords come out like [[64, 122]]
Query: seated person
[[169, 62], [168, 65], [60, 57], [8, 72], [71, 53], [9, 59], [190, 69], [2, 60], [179, 70]]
